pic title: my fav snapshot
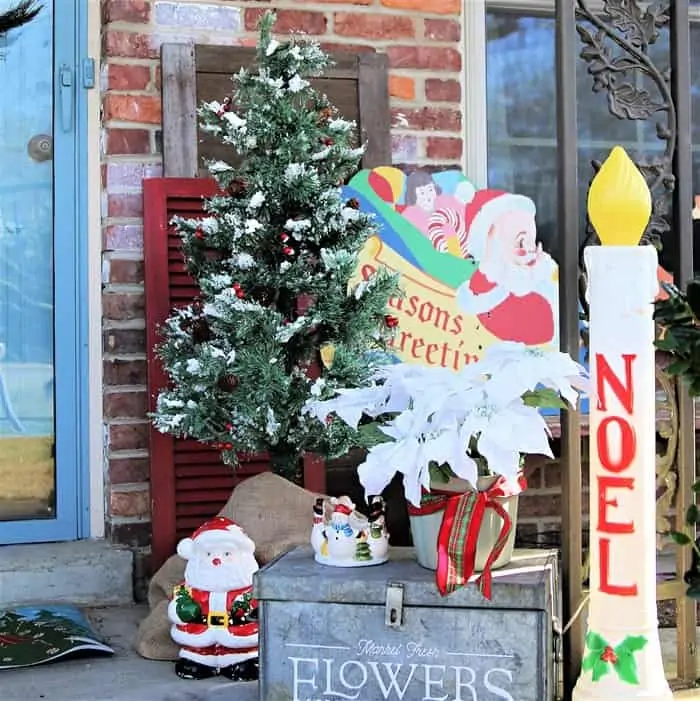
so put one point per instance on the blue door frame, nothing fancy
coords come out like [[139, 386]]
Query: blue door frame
[[72, 73]]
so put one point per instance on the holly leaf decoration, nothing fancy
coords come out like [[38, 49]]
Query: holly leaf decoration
[[595, 642], [626, 664], [634, 643]]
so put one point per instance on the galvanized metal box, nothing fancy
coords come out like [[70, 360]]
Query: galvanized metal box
[[384, 633]]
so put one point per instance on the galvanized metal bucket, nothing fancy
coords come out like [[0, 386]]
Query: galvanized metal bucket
[[425, 529]]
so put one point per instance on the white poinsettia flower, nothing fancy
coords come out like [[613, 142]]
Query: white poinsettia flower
[[514, 368], [349, 405], [506, 432], [406, 454], [449, 447]]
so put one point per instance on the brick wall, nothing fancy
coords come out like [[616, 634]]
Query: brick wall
[[422, 39]]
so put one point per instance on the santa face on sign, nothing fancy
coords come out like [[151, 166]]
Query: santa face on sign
[[513, 292], [214, 614]]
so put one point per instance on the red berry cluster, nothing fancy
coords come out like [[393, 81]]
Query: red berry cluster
[[286, 249], [238, 290], [225, 107], [391, 321], [199, 233]]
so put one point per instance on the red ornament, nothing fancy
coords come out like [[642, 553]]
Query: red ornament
[[288, 251], [240, 294], [391, 321], [229, 427], [228, 446], [327, 141], [284, 237], [199, 234], [225, 107], [608, 655], [236, 286]]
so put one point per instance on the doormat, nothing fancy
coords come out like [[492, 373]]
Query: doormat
[[32, 635]]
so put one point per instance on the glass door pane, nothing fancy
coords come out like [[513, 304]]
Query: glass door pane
[[27, 435]]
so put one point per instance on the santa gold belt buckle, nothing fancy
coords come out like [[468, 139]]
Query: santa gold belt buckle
[[217, 619]]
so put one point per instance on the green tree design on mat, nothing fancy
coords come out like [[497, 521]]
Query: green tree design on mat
[[602, 657]]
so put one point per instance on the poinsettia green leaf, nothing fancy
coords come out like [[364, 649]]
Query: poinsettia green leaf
[[626, 665], [595, 642], [633, 643], [600, 669], [589, 661]]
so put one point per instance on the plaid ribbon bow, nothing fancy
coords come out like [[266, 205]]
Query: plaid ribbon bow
[[459, 531]]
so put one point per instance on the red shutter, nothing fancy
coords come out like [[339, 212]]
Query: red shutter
[[189, 483]]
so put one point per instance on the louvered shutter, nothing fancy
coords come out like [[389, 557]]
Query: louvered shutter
[[189, 483]]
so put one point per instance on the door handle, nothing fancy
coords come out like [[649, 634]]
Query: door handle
[[65, 87]]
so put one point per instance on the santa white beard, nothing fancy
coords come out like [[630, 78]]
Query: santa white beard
[[518, 279], [201, 574]]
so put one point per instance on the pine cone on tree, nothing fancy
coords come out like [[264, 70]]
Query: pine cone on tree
[[228, 383], [201, 331]]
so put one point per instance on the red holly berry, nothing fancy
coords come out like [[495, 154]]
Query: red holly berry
[[288, 251], [391, 321], [608, 655], [236, 286], [239, 293], [327, 141], [228, 446], [229, 427], [284, 237], [199, 234]]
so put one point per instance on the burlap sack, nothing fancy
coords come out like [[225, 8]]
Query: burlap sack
[[274, 512]]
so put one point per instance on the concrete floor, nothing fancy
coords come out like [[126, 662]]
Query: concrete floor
[[128, 677], [122, 677]]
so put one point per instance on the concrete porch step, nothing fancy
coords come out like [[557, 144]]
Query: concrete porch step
[[122, 677], [87, 572]]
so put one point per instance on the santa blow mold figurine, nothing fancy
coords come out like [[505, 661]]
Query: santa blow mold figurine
[[214, 614]]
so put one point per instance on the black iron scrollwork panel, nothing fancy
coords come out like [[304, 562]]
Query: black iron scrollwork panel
[[616, 43]]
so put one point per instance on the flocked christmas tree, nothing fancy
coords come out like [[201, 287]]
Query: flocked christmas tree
[[279, 318]]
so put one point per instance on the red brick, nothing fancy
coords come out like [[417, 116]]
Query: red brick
[[367, 26], [132, 503], [128, 45], [129, 436], [129, 470], [331, 46], [122, 306], [134, 535], [533, 505], [125, 405], [128, 206], [289, 21], [437, 90], [437, 7], [126, 11], [126, 271], [433, 58], [443, 30], [144, 109], [402, 87], [127, 141], [429, 118], [127, 77], [124, 372], [444, 148], [124, 341]]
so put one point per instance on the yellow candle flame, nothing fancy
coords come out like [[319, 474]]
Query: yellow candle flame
[[619, 201]]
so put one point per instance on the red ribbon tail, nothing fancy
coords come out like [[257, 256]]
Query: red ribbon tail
[[485, 578]]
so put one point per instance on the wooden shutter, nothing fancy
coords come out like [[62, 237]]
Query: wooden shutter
[[358, 85], [189, 483]]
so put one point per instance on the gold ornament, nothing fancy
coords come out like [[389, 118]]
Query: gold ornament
[[327, 355]]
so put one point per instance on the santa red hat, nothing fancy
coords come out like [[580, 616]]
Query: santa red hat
[[484, 209], [216, 532]]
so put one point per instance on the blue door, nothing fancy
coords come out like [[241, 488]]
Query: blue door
[[42, 369]]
